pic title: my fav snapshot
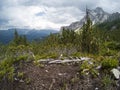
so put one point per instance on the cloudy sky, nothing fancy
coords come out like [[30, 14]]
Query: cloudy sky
[[48, 14]]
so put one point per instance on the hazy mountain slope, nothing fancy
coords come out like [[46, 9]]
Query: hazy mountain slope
[[7, 35]]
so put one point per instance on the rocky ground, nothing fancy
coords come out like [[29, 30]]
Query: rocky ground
[[55, 76]]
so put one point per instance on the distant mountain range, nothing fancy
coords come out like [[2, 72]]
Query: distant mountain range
[[7, 35], [97, 15]]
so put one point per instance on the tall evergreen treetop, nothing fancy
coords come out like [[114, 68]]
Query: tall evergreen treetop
[[88, 40]]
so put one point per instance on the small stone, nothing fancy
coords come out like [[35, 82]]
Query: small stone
[[98, 67], [116, 73], [98, 74], [46, 70], [96, 88], [60, 74], [61, 55], [77, 73], [21, 81], [87, 73], [16, 79], [43, 85], [90, 62]]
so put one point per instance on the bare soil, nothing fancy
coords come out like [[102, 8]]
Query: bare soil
[[53, 77]]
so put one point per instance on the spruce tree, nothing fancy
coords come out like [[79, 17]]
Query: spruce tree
[[86, 35], [24, 40], [88, 41], [19, 39], [16, 37]]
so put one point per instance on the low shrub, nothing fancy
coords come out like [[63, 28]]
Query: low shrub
[[46, 56], [20, 75], [42, 56], [22, 57], [53, 56], [86, 67], [109, 63], [28, 80], [108, 52], [77, 54], [6, 69], [107, 82], [113, 45]]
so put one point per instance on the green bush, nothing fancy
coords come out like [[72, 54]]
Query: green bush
[[108, 52], [20, 75], [6, 66], [43, 56], [11, 73], [113, 45], [106, 81], [22, 57], [86, 67], [77, 54], [6, 69], [2, 73], [109, 63], [53, 56], [28, 80], [46, 56], [8, 72]]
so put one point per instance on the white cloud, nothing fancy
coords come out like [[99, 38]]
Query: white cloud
[[52, 18], [44, 14]]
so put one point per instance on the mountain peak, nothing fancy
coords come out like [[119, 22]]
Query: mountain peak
[[98, 9], [97, 15]]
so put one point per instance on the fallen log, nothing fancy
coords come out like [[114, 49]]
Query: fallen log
[[52, 61]]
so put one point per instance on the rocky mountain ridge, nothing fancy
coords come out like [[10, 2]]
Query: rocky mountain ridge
[[97, 15]]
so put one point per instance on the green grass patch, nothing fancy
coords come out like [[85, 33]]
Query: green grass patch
[[109, 63]]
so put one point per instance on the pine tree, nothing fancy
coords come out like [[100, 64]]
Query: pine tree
[[19, 39], [88, 41], [16, 37], [24, 40], [86, 34], [67, 36]]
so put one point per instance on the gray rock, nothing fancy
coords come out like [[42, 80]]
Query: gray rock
[[46, 71], [98, 67], [96, 88], [116, 73], [21, 81], [61, 74], [90, 62], [16, 79]]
